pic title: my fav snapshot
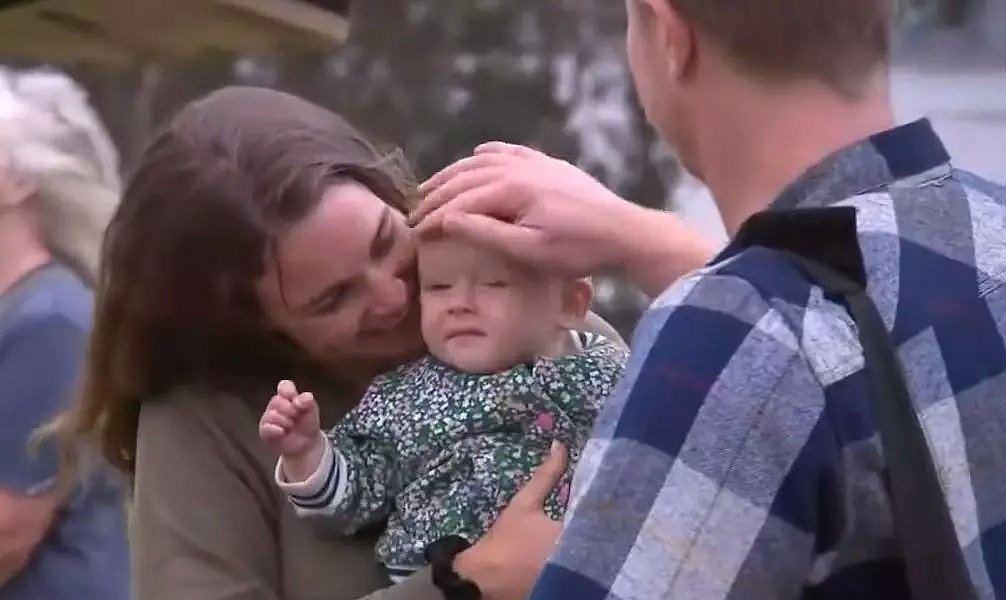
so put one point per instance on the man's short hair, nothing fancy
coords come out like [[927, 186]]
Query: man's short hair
[[839, 42]]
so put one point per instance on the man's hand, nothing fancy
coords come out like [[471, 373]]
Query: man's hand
[[291, 426], [550, 214], [508, 559], [541, 210]]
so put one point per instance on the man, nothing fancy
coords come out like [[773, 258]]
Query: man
[[58, 187], [740, 458]]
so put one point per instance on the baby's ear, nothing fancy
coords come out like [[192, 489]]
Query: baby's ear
[[576, 298]]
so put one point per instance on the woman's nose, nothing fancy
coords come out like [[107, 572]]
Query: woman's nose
[[389, 297]]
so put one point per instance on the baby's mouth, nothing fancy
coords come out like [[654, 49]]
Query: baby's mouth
[[460, 333]]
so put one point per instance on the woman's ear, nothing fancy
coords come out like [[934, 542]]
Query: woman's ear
[[15, 190], [576, 298]]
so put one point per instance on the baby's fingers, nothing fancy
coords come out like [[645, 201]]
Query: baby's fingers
[[304, 402], [283, 406], [287, 389], [270, 432], [276, 418]]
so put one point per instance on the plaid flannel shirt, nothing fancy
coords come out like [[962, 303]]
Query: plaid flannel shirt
[[739, 457]]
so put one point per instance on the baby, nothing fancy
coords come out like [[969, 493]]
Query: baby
[[438, 447]]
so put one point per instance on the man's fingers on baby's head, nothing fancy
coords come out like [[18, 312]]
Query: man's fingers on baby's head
[[287, 389], [506, 148], [448, 184]]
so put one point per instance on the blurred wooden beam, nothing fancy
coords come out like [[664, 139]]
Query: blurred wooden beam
[[296, 17], [126, 32]]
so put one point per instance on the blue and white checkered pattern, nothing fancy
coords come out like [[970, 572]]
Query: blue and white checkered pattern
[[739, 458]]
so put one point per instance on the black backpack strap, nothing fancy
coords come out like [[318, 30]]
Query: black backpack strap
[[823, 243]]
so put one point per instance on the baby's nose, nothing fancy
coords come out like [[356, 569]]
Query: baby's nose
[[462, 299]]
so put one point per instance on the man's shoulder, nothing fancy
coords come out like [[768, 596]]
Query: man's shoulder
[[753, 306], [949, 227], [951, 202], [742, 286], [706, 317], [980, 185]]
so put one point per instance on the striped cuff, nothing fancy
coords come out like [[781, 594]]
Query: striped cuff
[[324, 488]]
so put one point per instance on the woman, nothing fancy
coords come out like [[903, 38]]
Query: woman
[[59, 185], [260, 238]]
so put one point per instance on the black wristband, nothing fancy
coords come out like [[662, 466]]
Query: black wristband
[[440, 554]]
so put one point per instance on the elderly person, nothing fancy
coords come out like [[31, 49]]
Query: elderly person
[[58, 188]]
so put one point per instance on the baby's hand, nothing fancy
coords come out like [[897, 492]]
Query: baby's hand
[[291, 426]]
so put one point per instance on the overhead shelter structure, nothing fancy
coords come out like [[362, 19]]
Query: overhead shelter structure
[[124, 32]]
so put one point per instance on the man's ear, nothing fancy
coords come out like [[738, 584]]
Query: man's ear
[[576, 298], [673, 35]]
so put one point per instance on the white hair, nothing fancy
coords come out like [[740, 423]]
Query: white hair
[[54, 138]]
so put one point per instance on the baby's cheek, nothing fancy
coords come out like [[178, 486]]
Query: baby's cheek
[[429, 320]]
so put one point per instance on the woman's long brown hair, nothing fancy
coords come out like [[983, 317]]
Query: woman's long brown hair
[[175, 300]]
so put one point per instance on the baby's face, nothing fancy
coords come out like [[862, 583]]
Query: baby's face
[[481, 312]]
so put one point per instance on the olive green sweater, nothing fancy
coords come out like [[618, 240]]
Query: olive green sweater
[[208, 522]]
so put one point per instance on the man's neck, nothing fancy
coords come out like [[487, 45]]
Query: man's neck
[[753, 149], [19, 255]]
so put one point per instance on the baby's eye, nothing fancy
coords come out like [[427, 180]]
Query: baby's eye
[[436, 287], [499, 283]]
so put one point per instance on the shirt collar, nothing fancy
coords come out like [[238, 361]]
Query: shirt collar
[[902, 156]]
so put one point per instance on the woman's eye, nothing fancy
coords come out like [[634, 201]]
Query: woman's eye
[[436, 287], [330, 304], [383, 246], [496, 284]]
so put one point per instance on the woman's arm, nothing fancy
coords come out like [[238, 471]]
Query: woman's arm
[[200, 531]]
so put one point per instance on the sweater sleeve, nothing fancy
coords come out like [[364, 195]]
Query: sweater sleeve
[[358, 476], [199, 530]]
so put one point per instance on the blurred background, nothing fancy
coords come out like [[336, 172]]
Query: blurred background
[[436, 77]]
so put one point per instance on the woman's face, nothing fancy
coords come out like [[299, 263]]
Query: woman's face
[[342, 283]]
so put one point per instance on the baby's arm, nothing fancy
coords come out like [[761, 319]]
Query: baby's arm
[[344, 475]]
